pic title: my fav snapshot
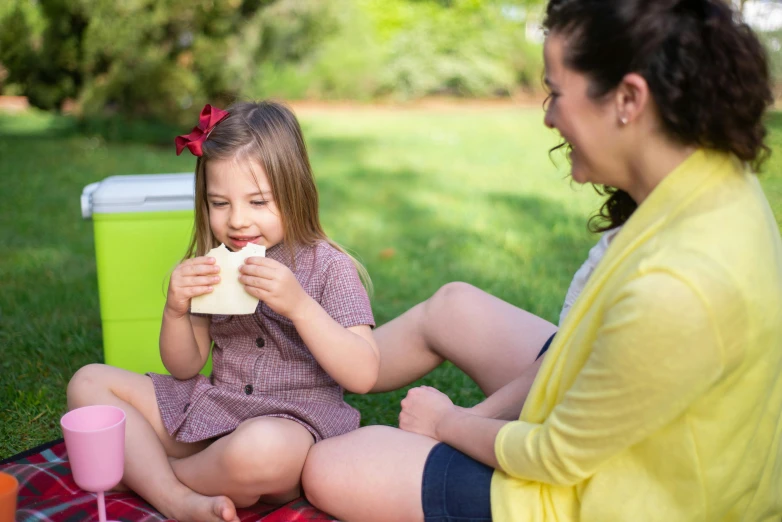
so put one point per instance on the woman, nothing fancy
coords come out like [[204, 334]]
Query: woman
[[660, 397]]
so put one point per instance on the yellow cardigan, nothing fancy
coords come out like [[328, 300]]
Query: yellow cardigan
[[661, 396]]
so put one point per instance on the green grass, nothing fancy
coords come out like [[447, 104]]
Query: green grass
[[469, 196]]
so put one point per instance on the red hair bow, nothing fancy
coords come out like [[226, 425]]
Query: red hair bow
[[210, 116]]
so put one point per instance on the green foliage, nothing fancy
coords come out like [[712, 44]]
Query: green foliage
[[141, 58], [466, 48], [772, 40], [399, 48], [162, 59]]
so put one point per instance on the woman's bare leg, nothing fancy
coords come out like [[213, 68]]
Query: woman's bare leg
[[147, 443], [372, 474], [262, 459], [490, 340]]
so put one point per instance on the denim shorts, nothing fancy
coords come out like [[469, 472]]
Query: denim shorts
[[456, 488], [545, 346]]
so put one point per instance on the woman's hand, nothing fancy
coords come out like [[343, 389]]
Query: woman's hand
[[190, 278], [423, 409], [274, 284]]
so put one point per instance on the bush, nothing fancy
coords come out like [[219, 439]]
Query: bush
[[163, 59], [399, 48]]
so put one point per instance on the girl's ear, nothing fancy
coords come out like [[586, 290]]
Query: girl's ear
[[631, 98]]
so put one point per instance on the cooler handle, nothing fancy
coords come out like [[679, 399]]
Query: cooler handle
[[86, 200]]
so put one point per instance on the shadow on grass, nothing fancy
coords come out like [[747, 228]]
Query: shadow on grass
[[112, 129], [405, 227]]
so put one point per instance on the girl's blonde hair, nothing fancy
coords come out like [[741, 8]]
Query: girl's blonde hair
[[266, 132]]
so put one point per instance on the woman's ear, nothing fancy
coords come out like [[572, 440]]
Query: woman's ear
[[632, 98]]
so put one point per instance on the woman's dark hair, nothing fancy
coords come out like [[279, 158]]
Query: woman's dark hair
[[706, 70]]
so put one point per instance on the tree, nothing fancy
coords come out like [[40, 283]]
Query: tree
[[144, 58]]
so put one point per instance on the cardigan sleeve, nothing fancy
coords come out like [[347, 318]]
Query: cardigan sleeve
[[657, 349]]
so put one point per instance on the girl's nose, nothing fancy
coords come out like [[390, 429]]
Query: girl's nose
[[237, 219]]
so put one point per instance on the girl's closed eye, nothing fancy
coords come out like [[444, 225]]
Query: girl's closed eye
[[259, 202], [218, 204]]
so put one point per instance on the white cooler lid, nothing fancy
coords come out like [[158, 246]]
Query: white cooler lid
[[138, 193]]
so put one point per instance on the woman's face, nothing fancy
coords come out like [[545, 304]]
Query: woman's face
[[588, 125]]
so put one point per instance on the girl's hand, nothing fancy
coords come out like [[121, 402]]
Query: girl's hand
[[274, 284], [423, 409], [191, 278]]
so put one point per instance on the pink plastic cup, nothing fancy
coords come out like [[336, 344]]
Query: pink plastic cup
[[95, 442]]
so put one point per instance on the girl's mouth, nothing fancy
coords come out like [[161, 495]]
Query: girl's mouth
[[240, 242]]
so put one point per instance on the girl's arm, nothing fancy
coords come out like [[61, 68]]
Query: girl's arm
[[184, 339], [348, 355], [184, 344]]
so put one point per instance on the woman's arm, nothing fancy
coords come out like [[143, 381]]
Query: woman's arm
[[657, 351], [429, 412], [506, 403]]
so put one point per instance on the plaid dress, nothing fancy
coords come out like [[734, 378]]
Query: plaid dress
[[260, 365]]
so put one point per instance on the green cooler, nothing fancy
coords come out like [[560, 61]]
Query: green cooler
[[142, 226]]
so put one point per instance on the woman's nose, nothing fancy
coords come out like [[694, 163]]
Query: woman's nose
[[548, 120]]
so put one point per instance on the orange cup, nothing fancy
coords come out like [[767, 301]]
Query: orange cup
[[8, 490]]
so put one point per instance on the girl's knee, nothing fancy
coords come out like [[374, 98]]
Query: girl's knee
[[84, 383], [259, 454], [314, 476]]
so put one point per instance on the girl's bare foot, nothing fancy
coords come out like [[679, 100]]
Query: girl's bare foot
[[198, 508]]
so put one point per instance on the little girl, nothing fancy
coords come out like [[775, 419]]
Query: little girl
[[196, 448]]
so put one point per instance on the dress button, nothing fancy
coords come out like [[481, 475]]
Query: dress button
[[259, 342], [186, 407], [248, 389]]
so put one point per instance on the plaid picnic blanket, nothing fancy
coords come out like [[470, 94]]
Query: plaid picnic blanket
[[47, 493]]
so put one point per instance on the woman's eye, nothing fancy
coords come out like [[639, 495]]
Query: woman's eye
[[550, 98], [259, 203], [218, 203]]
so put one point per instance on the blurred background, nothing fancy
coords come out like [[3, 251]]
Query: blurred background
[[422, 117], [145, 59]]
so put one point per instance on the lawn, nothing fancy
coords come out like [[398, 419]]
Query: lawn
[[421, 197]]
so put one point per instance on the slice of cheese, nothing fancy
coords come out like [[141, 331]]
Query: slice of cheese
[[229, 296]]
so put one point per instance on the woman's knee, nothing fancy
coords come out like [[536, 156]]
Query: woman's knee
[[85, 384], [450, 301], [449, 298]]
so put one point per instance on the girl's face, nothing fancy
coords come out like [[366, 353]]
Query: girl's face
[[588, 125], [241, 206]]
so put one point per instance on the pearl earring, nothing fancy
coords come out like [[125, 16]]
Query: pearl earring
[[623, 120]]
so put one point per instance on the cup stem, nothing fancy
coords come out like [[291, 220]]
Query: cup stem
[[101, 507]]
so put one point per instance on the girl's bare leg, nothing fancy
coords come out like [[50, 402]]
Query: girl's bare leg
[[262, 459], [372, 474], [490, 340], [147, 443]]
